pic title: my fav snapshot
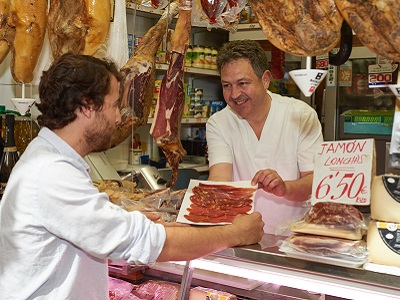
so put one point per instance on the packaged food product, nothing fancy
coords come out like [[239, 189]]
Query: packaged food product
[[207, 58], [188, 58], [332, 219], [323, 246], [198, 56], [201, 293]]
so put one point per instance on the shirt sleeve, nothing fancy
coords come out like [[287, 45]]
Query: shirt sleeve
[[310, 139], [72, 209], [219, 150]]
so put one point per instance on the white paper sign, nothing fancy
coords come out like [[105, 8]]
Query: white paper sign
[[343, 172]]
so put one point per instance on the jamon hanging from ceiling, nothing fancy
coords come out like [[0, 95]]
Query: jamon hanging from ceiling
[[29, 19], [165, 128], [376, 24], [299, 27], [139, 72]]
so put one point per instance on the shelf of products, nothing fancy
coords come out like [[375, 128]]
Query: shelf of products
[[190, 70]]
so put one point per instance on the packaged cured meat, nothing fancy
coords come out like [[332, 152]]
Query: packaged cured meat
[[217, 14], [200, 293], [332, 219], [214, 203], [323, 246], [118, 289], [157, 290]]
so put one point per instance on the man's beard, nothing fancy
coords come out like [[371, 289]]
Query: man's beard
[[98, 138]]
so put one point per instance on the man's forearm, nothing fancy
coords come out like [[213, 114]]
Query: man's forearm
[[300, 189]]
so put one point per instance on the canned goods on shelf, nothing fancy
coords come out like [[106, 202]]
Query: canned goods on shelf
[[207, 58], [188, 58], [198, 56]]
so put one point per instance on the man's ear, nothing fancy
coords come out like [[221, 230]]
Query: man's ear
[[266, 79], [88, 109]]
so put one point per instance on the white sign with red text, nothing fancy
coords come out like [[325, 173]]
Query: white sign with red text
[[343, 172]]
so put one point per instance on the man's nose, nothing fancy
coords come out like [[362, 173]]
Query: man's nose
[[235, 92]]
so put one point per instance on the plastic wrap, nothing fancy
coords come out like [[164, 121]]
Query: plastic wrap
[[326, 247], [332, 219], [118, 289], [217, 14], [117, 39], [157, 290]]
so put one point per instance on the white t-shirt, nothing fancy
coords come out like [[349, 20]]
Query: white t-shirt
[[290, 138], [57, 231]]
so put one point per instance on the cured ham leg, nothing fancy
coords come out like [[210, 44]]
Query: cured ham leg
[[29, 19], [99, 17], [6, 32], [139, 75], [67, 27], [376, 24], [299, 27], [168, 114], [78, 26]]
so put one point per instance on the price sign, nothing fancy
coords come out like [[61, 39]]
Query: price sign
[[343, 172], [380, 75]]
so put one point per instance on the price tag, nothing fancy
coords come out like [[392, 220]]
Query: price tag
[[380, 75], [343, 172]]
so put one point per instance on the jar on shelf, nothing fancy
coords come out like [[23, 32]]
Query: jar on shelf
[[207, 58], [188, 58], [214, 54], [198, 56]]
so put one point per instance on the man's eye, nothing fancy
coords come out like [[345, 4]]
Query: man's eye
[[225, 86], [243, 83]]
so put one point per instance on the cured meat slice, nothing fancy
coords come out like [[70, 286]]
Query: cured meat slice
[[168, 113], [218, 203], [376, 24], [299, 27], [29, 19], [67, 27], [139, 75]]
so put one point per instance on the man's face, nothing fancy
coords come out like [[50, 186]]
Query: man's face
[[98, 137], [243, 91]]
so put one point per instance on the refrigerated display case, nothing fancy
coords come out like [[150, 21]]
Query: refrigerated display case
[[352, 110]]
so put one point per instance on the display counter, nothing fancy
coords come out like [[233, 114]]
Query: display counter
[[264, 263]]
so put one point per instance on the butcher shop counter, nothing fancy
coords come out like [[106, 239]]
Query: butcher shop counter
[[263, 263]]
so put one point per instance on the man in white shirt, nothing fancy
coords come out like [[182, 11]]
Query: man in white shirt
[[263, 137], [57, 231]]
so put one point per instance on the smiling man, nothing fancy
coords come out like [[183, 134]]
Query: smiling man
[[262, 136]]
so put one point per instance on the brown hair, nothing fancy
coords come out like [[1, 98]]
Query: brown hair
[[247, 49], [71, 82]]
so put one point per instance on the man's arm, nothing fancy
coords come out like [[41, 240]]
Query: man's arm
[[220, 172], [191, 242]]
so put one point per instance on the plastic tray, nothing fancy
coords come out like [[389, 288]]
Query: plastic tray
[[324, 260]]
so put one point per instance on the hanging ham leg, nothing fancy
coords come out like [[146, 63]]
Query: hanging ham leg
[[139, 73], [67, 27], [6, 32], [168, 114], [29, 19]]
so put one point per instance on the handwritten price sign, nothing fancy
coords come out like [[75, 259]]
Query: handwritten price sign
[[343, 172]]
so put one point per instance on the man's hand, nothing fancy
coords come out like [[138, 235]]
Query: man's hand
[[270, 181], [249, 228]]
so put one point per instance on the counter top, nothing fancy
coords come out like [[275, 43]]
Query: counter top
[[346, 282]]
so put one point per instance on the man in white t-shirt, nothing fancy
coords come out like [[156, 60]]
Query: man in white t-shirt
[[263, 137]]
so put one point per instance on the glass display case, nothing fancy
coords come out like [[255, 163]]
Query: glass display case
[[352, 110]]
